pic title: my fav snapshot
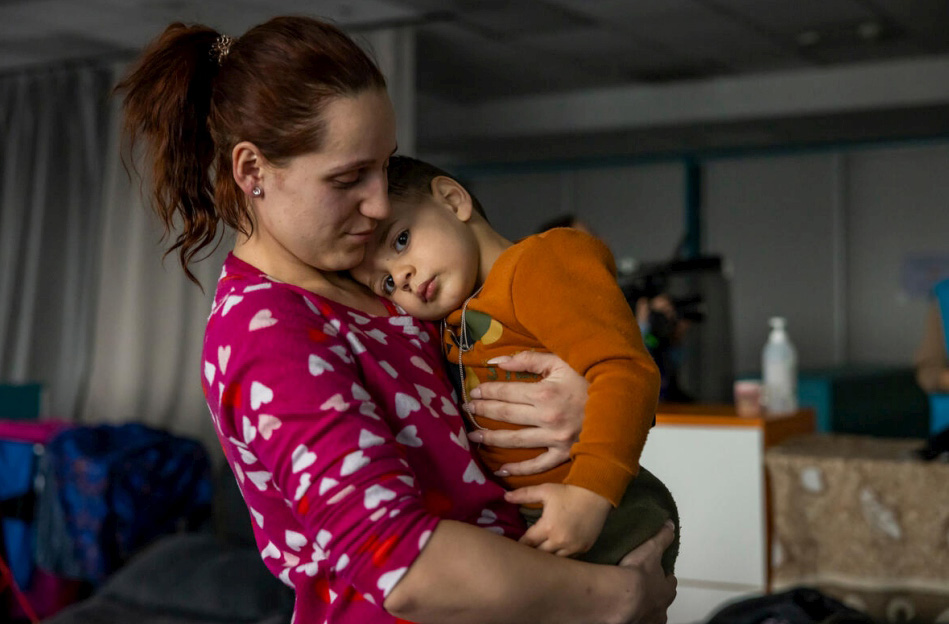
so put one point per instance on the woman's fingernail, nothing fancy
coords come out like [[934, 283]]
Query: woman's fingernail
[[502, 473], [476, 436], [475, 393], [671, 524], [501, 359]]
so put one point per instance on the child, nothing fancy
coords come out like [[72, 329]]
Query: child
[[437, 257]]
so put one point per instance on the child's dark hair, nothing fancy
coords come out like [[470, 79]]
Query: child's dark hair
[[194, 94], [411, 179]]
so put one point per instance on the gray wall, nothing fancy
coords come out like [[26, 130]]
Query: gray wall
[[818, 237]]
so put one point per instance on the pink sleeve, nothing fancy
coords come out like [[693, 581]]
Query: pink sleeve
[[303, 428]]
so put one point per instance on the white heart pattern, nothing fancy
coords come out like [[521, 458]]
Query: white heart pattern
[[425, 394], [250, 432], [375, 495], [326, 484], [259, 478], [267, 424], [323, 538], [303, 458], [239, 473], [331, 328], [258, 517], [342, 562], [473, 474], [354, 342], [461, 439], [362, 320], [209, 372], [259, 394], [230, 302], [335, 402], [423, 539], [264, 318], [302, 487], [295, 540], [368, 409], [260, 286], [223, 357], [378, 514], [367, 439], [270, 550], [487, 517], [340, 350], [312, 307], [448, 407], [359, 393], [318, 365], [388, 368], [378, 335], [346, 491], [247, 456], [405, 405], [291, 559], [388, 580], [409, 437], [420, 363], [353, 462]]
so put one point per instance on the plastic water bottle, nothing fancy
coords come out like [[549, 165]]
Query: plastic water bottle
[[779, 368]]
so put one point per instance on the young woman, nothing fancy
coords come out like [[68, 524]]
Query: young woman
[[333, 410]]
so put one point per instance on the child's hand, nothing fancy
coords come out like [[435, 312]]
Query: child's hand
[[572, 520]]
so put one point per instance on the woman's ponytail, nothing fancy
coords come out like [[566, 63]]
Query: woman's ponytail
[[167, 102]]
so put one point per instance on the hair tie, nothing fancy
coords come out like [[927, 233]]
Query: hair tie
[[220, 48]]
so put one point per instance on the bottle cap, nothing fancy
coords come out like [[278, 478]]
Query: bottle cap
[[777, 322]]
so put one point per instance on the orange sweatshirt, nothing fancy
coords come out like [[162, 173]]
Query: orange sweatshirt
[[557, 292]]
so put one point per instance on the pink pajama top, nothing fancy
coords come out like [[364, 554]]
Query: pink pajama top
[[344, 434]]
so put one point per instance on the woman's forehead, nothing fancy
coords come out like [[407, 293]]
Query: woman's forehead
[[360, 127]]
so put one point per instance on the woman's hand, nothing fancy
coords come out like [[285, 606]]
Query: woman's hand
[[654, 590], [551, 408]]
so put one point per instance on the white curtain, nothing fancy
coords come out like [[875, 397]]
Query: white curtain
[[87, 305], [53, 140]]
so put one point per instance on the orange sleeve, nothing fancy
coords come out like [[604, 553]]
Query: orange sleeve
[[565, 293]]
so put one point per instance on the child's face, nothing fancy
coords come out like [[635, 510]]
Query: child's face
[[424, 257]]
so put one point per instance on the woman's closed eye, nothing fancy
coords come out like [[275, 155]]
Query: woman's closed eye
[[348, 180]]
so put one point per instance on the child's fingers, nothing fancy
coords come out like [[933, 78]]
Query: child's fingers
[[527, 495], [534, 537]]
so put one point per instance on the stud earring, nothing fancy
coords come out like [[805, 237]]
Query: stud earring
[[257, 191]]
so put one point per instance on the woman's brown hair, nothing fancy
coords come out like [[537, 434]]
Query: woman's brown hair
[[190, 100]]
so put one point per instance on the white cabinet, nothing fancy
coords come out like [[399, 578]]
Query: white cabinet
[[713, 463]]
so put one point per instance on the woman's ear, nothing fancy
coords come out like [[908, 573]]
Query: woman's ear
[[453, 195], [247, 167]]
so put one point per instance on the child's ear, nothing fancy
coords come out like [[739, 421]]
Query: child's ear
[[453, 195], [247, 164]]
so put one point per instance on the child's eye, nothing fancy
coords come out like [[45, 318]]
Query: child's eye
[[388, 285], [402, 240]]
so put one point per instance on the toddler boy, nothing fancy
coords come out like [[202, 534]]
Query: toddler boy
[[437, 257]]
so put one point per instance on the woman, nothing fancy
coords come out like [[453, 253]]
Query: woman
[[333, 410]]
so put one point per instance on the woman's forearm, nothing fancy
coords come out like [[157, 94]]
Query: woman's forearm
[[466, 574]]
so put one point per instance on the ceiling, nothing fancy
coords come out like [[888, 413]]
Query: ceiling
[[470, 51]]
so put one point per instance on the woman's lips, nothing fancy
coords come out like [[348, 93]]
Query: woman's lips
[[427, 289]]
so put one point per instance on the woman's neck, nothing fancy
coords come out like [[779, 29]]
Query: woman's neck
[[336, 286]]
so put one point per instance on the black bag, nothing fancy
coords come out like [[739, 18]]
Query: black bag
[[801, 605]]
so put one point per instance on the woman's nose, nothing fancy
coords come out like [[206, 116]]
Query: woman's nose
[[376, 204]]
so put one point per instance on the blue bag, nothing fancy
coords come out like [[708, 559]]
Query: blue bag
[[118, 488]]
